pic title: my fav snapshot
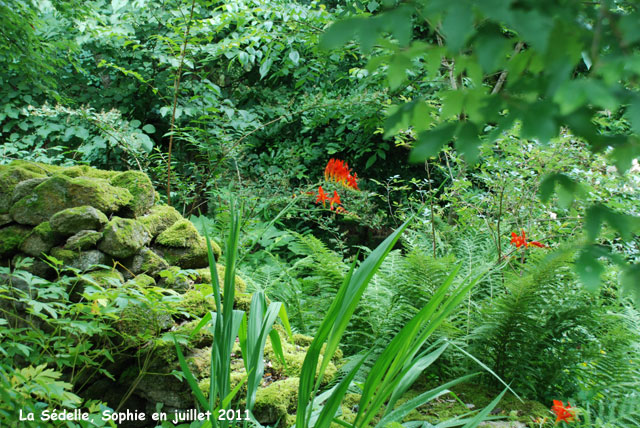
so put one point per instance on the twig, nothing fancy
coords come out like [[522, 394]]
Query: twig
[[503, 75]]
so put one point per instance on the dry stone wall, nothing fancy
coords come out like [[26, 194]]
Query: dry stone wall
[[110, 226]]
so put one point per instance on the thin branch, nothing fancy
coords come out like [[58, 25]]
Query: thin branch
[[503, 75], [176, 87]]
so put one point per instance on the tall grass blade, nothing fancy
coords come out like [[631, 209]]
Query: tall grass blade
[[399, 413], [483, 414], [191, 380], [334, 324]]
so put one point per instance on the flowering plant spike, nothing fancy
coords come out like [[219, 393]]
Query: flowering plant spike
[[563, 413], [521, 240], [339, 171]]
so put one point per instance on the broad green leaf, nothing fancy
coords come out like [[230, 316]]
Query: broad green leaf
[[430, 142], [457, 26], [340, 32], [294, 56], [589, 270], [633, 114], [149, 129], [468, 142], [630, 279]]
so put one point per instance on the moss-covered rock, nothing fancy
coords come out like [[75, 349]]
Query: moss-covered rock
[[123, 237], [60, 192], [40, 240], [182, 245], [195, 303], [294, 356], [37, 167], [24, 188], [72, 220], [11, 237], [275, 402], [83, 240], [203, 275], [10, 176], [86, 171], [106, 277], [141, 281], [201, 339], [83, 261], [146, 261], [139, 185], [160, 218], [5, 219], [242, 302]]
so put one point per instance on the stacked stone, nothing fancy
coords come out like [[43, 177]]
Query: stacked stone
[[108, 225], [91, 219]]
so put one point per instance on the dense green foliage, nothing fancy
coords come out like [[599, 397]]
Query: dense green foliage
[[477, 120]]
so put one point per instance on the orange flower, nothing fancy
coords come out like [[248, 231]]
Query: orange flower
[[563, 413], [322, 197], [335, 199], [339, 171], [521, 240]]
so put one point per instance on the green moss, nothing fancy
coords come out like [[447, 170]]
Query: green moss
[[139, 185], [201, 339], [40, 240], [63, 254], [302, 340], [195, 303], [37, 167], [294, 356], [5, 219], [44, 229], [146, 261], [10, 176], [174, 278], [72, 220], [123, 237], [86, 171], [204, 275], [275, 402], [160, 218], [181, 234], [11, 237], [142, 281], [83, 240], [477, 396], [242, 302], [60, 192], [106, 277]]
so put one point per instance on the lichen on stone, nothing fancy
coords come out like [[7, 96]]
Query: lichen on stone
[[139, 185], [72, 220], [10, 177], [40, 240], [181, 245], [83, 240], [275, 402], [146, 261], [83, 260], [160, 218], [60, 192], [123, 237]]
